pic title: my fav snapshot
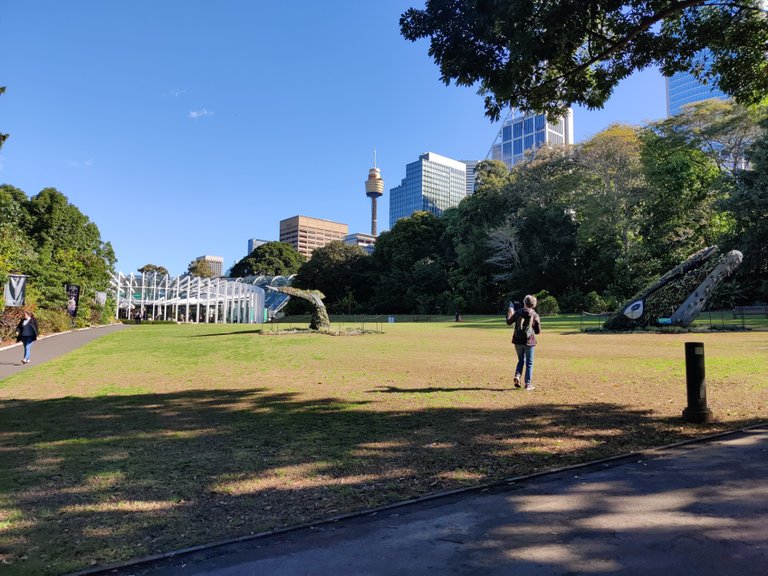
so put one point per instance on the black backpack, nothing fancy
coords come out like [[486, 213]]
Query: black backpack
[[523, 329]]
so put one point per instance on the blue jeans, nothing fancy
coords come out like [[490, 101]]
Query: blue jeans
[[27, 342], [525, 358]]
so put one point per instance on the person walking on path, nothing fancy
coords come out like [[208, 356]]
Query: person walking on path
[[27, 330], [527, 325]]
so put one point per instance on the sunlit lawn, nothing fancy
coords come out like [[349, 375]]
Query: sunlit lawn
[[161, 437]]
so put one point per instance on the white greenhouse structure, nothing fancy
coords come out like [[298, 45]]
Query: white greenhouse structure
[[187, 298]]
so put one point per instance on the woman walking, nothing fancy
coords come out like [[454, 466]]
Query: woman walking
[[527, 325], [27, 330]]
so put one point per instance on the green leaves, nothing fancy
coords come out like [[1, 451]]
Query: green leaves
[[545, 56], [52, 242], [270, 259]]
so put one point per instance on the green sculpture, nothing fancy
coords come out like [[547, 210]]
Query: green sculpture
[[678, 296], [319, 315]]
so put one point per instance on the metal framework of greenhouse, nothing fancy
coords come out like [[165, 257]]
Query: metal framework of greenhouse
[[194, 299]]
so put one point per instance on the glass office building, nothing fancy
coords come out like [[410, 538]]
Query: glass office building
[[433, 183], [521, 135], [683, 88]]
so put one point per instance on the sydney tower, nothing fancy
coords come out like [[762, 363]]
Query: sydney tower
[[374, 188]]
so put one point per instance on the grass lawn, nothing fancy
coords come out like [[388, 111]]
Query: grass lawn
[[160, 437]]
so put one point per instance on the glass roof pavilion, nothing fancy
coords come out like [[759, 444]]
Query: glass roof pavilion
[[194, 299]]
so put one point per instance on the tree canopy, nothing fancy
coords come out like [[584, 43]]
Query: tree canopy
[[269, 259], [545, 55], [51, 241], [749, 204], [201, 268], [338, 270], [153, 268]]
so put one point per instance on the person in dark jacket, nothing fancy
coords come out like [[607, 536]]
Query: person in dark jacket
[[27, 330], [527, 325]]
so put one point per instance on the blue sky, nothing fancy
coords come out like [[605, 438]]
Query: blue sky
[[183, 128]]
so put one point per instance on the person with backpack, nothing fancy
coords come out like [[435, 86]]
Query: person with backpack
[[527, 325]]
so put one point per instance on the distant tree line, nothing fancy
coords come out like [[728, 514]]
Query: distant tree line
[[589, 224]]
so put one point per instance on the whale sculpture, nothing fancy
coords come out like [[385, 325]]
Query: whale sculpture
[[319, 316], [678, 296]]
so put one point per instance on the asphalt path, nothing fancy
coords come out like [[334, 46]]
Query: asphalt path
[[50, 347]]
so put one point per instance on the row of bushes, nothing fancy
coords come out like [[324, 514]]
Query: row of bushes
[[57, 320]]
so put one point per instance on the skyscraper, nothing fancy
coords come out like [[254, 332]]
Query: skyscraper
[[683, 88], [433, 183], [522, 134], [471, 166]]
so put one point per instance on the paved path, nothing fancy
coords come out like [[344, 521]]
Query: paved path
[[696, 509], [50, 347]]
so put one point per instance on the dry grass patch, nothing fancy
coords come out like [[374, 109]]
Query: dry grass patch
[[161, 437]]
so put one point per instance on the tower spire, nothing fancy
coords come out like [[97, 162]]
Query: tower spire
[[374, 189]]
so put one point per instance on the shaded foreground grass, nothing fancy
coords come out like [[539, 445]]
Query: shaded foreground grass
[[160, 437]]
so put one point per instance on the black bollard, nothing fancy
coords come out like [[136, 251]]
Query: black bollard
[[695, 383]]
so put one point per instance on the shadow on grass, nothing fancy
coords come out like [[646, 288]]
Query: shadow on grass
[[396, 390], [90, 481], [233, 333]]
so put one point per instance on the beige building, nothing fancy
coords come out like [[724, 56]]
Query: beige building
[[215, 262], [308, 234]]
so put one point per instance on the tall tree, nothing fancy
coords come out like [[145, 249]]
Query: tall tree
[[541, 197], [269, 259], [607, 206], [408, 260], [681, 213], [201, 268], [69, 247], [17, 252], [150, 268], [338, 270], [545, 55], [722, 129], [749, 204], [471, 277]]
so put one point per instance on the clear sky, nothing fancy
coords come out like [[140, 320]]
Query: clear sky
[[186, 127]]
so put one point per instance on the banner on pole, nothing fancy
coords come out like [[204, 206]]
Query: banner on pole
[[15, 290], [73, 299], [101, 298]]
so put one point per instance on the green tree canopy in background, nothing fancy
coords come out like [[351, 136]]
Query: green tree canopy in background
[[722, 129], [410, 265], [338, 270], [200, 268], [749, 205], [150, 268], [545, 55], [681, 213], [269, 259]]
